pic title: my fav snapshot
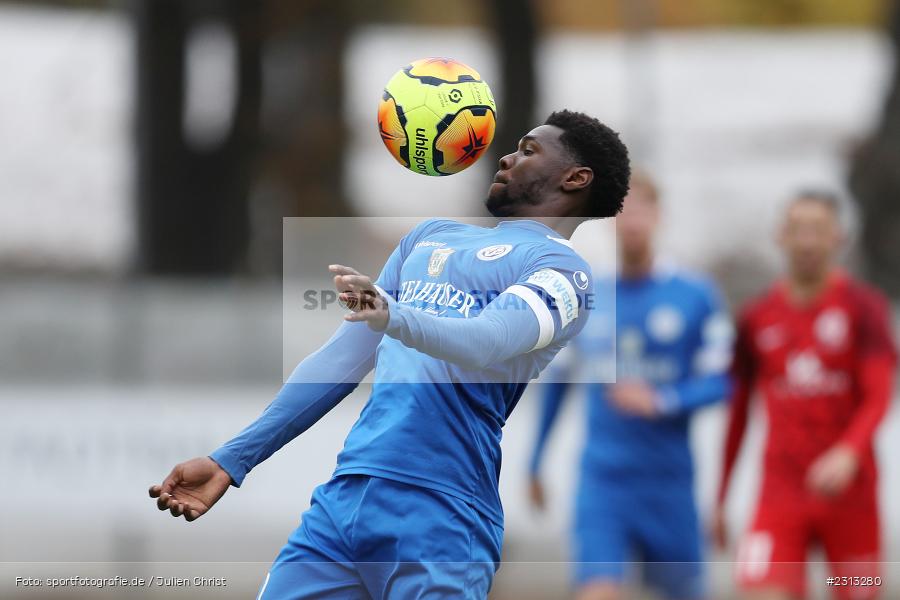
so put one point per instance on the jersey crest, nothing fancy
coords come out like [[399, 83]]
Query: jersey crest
[[438, 261]]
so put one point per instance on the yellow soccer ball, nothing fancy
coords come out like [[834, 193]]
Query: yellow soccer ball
[[437, 116]]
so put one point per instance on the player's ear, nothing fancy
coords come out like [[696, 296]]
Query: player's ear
[[577, 178]]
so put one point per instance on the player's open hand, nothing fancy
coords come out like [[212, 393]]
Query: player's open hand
[[191, 488], [833, 472], [358, 293]]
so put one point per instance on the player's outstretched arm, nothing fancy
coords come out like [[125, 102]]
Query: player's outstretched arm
[[316, 386], [192, 488]]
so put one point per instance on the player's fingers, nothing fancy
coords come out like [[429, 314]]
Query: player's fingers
[[364, 314], [192, 514], [155, 490], [162, 503], [342, 270], [349, 300], [367, 299], [359, 299], [167, 487], [343, 287], [346, 286], [339, 284], [358, 282], [176, 508], [358, 316]]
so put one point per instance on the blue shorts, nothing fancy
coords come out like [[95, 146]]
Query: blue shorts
[[370, 538], [620, 521]]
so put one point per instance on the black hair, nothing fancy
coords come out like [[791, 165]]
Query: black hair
[[593, 144]]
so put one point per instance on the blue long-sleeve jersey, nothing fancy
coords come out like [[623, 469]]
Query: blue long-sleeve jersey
[[475, 313], [668, 329]]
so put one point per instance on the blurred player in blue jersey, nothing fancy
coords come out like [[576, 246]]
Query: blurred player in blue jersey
[[458, 322], [667, 341]]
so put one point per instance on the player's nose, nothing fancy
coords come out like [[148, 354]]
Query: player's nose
[[506, 162]]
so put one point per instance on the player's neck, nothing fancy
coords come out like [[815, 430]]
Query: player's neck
[[558, 213], [636, 265], [565, 226], [805, 289]]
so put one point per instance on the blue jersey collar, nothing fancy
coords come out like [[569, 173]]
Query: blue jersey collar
[[534, 225]]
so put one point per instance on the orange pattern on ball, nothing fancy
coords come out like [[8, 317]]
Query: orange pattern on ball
[[445, 69], [392, 133], [465, 139]]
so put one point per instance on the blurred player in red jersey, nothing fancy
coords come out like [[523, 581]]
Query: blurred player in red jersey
[[818, 347]]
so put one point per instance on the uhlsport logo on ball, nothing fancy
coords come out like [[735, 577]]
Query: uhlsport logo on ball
[[437, 116]]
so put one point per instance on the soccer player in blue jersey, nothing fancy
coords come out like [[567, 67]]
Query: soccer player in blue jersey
[[458, 322], [667, 341]]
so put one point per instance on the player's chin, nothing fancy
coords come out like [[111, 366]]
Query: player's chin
[[498, 201]]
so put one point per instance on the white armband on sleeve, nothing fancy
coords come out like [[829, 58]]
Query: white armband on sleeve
[[553, 300]]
